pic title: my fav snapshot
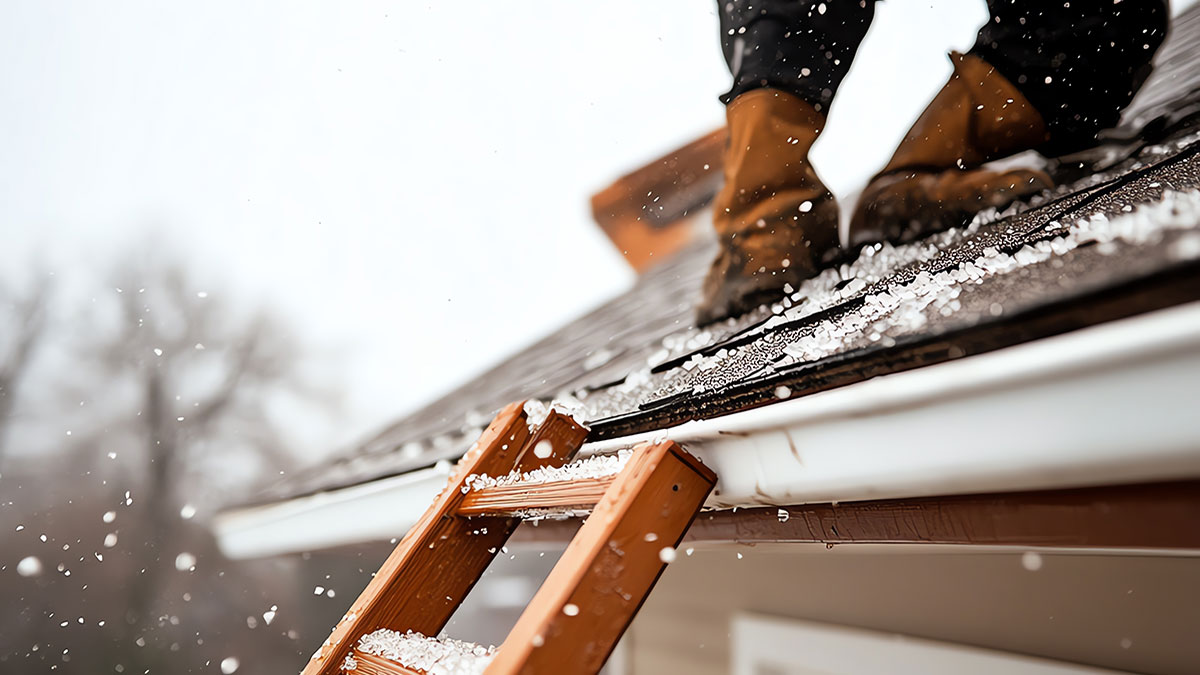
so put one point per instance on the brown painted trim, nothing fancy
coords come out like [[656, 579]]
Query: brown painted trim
[[645, 212], [661, 191], [1151, 516]]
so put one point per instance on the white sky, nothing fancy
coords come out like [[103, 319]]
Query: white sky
[[407, 182]]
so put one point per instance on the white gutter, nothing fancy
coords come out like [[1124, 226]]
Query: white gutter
[[375, 511], [1113, 403]]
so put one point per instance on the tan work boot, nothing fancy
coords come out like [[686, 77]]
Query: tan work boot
[[776, 222], [934, 182]]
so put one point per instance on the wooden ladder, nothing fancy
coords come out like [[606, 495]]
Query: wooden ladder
[[638, 516]]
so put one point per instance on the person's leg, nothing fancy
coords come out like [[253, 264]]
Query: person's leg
[[1078, 63], [1044, 76], [776, 221], [802, 47]]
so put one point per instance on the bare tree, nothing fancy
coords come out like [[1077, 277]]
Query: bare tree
[[24, 321], [189, 380], [150, 397]]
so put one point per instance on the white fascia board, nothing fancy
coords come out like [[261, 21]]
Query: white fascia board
[[1113, 403]]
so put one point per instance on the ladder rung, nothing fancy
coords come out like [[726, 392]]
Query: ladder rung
[[387, 652], [369, 664], [565, 497], [570, 489]]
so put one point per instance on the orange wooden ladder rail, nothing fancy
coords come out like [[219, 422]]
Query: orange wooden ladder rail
[[606, 571]]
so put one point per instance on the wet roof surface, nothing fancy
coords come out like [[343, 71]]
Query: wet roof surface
[[1119, 236]]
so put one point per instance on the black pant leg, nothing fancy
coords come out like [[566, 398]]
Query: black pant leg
[[1079, 63], [802, 47]]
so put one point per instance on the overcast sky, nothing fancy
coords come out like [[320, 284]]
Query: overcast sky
[[407, 182]]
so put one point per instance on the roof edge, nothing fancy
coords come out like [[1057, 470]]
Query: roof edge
[[1111, 403]]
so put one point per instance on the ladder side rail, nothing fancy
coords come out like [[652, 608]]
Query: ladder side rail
[[576, 618]]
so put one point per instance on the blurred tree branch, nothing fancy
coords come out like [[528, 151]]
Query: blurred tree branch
[[25, 327]]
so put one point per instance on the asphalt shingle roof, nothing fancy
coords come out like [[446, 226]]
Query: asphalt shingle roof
[[1120, 236]]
